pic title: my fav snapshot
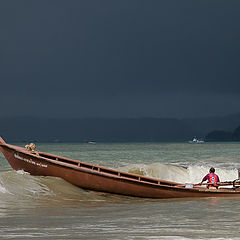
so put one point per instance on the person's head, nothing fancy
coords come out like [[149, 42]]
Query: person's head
[[212, 170]]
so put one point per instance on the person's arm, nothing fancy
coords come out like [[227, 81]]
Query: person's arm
[[204, 179]]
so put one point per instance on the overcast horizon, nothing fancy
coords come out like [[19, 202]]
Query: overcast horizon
[[119, 59]]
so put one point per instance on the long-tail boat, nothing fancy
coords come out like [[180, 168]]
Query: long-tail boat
[[97, 178]]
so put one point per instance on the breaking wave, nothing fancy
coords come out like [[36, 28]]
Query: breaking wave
[[190, 174]]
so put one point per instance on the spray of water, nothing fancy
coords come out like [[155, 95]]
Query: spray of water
[[190, 174]]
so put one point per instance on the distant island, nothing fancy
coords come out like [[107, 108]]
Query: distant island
[[225, 136]]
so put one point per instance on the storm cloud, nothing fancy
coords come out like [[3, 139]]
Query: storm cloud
[[119, 58]]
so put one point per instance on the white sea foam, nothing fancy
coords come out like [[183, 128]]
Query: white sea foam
[[22, 172], [191, 174], [2, 188]]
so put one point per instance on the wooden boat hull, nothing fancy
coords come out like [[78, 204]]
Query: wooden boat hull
[[102, 179]]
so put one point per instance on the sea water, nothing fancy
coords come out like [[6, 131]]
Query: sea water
[[49, 208]]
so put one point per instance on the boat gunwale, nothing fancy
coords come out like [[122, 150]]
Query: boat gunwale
[[92, 168]]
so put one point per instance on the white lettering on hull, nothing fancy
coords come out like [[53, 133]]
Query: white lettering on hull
[[29, 161]]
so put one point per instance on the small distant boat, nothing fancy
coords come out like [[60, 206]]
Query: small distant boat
[[196, 140], [90, 142], [94, 177]]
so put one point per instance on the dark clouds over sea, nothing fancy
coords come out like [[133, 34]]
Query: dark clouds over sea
[[119, 58]]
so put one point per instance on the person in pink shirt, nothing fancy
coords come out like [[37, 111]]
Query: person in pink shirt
[[211, 177]]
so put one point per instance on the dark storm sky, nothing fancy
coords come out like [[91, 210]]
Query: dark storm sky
[[119, 58]]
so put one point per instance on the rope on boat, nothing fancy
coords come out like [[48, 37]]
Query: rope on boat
[[31, 147]]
